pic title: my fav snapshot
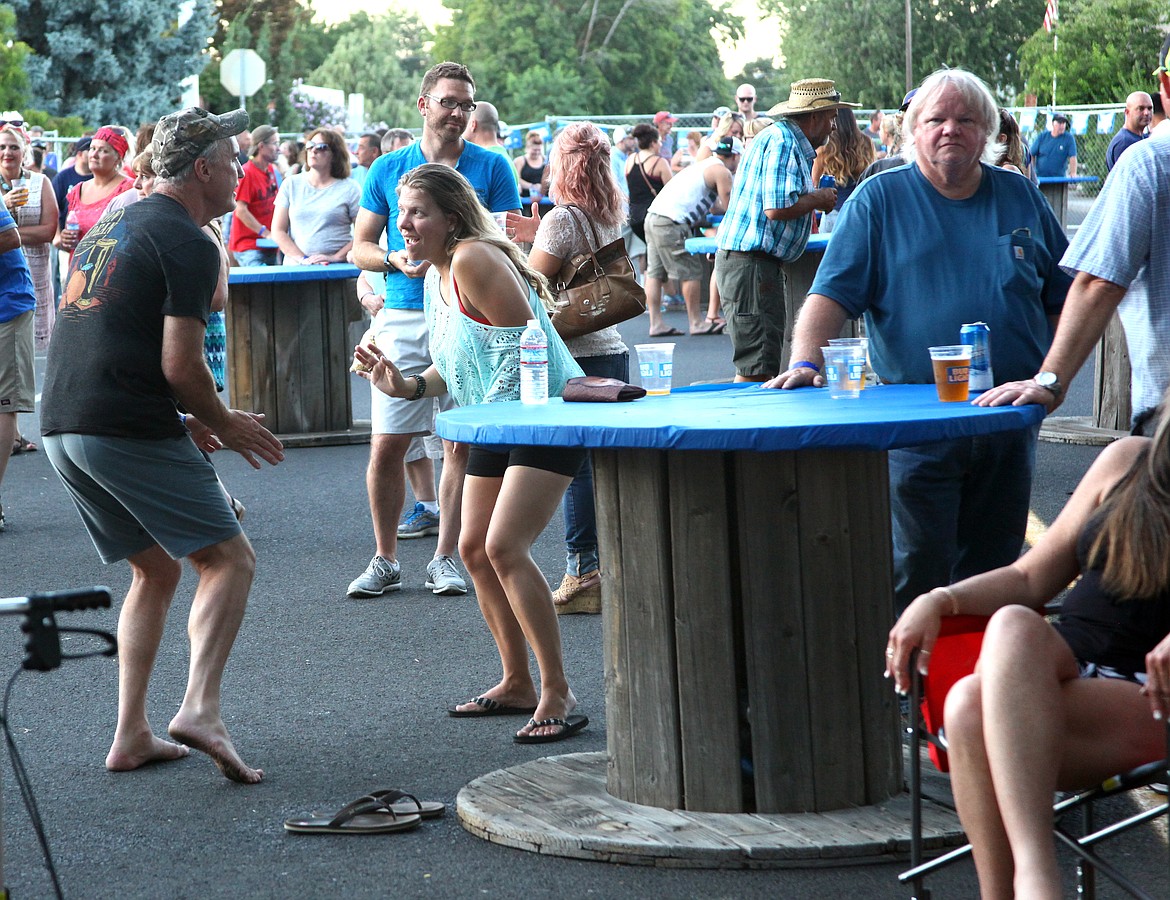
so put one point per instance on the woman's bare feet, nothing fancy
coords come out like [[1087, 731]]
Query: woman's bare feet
[[213, 740], [126, 755], [549, 708], [517, 696]]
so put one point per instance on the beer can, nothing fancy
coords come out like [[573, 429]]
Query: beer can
[[978, 335]]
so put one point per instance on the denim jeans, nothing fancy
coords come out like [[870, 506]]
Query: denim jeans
[[257, 257], [580, 519], [958, 508]]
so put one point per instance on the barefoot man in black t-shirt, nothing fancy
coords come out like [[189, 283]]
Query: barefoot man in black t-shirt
[[127, 353]]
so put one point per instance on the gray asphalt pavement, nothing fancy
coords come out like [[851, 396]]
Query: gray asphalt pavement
[[332, 698]]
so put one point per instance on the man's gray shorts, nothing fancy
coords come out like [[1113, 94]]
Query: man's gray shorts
[[666, 251], [133, 493]]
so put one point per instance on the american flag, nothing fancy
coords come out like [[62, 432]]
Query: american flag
[[1050, 15]]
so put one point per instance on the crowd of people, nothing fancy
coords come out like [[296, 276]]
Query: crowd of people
[[935, 221]]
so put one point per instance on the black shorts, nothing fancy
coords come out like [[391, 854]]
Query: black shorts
[[492, 462]]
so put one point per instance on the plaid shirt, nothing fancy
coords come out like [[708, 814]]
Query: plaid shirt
[[1125, 239], [774, 174]]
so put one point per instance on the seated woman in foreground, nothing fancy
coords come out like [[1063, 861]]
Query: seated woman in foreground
[[478, 296], [1064, 706]]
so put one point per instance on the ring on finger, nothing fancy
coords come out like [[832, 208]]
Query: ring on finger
[[889, 652]]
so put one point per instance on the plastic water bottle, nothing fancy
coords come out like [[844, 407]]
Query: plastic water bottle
[[533, 365]]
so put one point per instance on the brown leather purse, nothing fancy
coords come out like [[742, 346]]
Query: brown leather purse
[[596, 289]]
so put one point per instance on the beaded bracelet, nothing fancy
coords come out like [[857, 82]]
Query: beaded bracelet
[[420, 389], [947, 592]]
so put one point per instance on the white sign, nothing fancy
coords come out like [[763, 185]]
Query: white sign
[[243, 72]]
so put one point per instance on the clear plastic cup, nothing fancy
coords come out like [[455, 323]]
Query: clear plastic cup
[[844, 370], [655, 364], [952, 368]]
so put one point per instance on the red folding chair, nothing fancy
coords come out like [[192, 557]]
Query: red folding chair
[[955, 653]]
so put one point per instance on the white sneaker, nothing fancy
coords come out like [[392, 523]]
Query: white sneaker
[[443, 577], [380, 577]]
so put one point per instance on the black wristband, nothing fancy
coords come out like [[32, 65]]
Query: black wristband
[[805, 364], [420, 389], [386, 259]]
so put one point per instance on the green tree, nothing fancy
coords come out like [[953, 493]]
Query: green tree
[[383, 59], [771, 83], [285, 36], [13, 81], [604, 56], [111, 62], [1106, 51], [861, 44]]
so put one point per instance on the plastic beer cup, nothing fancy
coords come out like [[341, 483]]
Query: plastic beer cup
[[655, 365], [952, 365]]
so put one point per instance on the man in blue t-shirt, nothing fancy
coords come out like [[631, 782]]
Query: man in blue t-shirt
[[1055, 151], [445, 100], [1139, 110], [921, 250], [17, 301]]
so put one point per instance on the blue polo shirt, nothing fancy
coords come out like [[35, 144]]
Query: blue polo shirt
[[1053, 153], [491, 176], [918, 266], [16, 288]]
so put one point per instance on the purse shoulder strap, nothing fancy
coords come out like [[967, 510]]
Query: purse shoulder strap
[[591, 245], [642, 172]]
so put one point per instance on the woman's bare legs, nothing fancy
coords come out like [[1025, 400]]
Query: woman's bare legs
[[515, 687], [1020, 728], [526, 502]]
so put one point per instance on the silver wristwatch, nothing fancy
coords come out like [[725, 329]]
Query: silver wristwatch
[[1051, 381]]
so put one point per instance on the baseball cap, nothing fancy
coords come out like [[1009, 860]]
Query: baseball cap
[[720, 112], [729, 146], [906, 100], [663, 116], [1060, 118], [619, 134], [260, 134], [1163, 57], [180, 137]]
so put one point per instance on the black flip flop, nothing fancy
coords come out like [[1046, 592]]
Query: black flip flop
[[569, 727], [366, 815], [405, 804], [488, 707]]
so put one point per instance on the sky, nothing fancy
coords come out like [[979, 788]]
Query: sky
[[763, 38]]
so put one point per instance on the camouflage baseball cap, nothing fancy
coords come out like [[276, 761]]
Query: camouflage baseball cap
[[180, 137]]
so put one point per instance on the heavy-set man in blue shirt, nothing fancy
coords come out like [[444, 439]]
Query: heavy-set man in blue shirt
[[920, 250], [768, 221]]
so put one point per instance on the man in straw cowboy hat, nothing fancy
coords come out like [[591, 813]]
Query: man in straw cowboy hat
[[768, 222], [919, 251]]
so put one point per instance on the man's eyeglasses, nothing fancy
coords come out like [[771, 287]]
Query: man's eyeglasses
[[449, 103], [746, 99], [322, 147]]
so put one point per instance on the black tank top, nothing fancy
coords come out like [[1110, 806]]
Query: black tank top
[[641, 193], [531, 175], [1103, 629]]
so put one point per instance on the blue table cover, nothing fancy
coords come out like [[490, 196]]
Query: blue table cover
[[696, 245], [738, 417], [286, 274], [1066, 179]]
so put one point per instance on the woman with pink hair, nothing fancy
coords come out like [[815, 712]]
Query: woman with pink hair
[[588, 216]]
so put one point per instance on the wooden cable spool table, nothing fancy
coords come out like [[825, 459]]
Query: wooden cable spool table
[[747, 590]]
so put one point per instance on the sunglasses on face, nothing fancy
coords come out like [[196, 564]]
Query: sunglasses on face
[[746, 99], [450, 103], [15, 123], [322, 147]]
